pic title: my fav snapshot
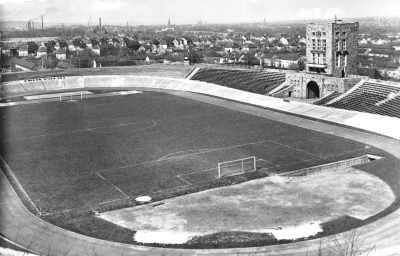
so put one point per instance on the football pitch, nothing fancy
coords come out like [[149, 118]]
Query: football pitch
[[68, 155]]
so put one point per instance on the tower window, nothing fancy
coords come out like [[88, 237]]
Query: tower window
[[323, 58], [344, 45], [319, 44], [344, 33], [324, 45], [337, 45], [338, 60], [313, 44], [337, 33], [319, 59], [343, 60], [324, 33]]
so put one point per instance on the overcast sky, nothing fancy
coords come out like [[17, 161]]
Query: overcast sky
[[192, 11]]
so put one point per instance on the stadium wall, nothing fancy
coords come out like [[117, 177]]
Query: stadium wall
[[375, 123]]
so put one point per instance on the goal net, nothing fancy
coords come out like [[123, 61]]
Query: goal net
[[70, 96], [238, 166]]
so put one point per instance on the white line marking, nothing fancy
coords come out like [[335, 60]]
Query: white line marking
[[296, 149], [201, 151], [215, 168], [113, 185], [184, 180], [267, 161], [140, 129], [88, 129], [19, 185], [112, 201], [83, 130], [155, 161], [52, 213]]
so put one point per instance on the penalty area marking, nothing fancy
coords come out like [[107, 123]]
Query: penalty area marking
[[184, 180], [113, 185], [19, 185]]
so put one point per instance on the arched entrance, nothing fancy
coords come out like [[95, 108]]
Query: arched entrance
[[312, 90]]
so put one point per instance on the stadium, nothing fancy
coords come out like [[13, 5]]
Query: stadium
[[210, 160]]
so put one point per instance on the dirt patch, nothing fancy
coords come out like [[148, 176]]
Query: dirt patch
[[259, 206]]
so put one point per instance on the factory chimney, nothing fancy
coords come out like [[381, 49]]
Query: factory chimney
[[99, 23], [42, 22]]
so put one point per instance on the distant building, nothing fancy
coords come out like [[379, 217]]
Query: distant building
[[41, 51], [61, 54], [23, 51], [369, 72]]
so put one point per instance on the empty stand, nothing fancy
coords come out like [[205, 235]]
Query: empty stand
[[260, 82], [13, 88], [326, 99], [371, 97]]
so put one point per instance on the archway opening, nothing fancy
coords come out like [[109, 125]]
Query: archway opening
[[312, 90]]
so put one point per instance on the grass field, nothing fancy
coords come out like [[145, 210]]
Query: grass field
[[74, 154]]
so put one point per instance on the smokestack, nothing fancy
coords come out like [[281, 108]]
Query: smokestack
[[42, 22], [62, 24], [100, 23], [29, 25], [33, 25]]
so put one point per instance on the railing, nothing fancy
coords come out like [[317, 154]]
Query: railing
[[327, 167]]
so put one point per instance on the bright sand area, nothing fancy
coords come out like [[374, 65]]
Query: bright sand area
[[259, 206]]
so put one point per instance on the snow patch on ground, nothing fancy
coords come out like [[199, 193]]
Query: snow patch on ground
[[277, 179], [292, 233], [163, 237]]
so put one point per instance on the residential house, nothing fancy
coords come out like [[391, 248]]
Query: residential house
[[396, 46], [96, 50], [394, 73], [41, 51], [249, 47], [24, 65], [161, 50], [23, 51], [176, 42], [363, 41], [284, 41], [88, 43], [369, 72], [71, 46], [163, 44], [61, 54]]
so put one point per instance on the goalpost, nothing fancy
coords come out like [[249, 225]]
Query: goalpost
[[238, 166], [70, 96]]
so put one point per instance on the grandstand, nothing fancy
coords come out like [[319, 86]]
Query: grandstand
[[372, 96], [329, 97], [260, 82]]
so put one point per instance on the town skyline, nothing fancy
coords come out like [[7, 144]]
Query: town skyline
[[191, 12]]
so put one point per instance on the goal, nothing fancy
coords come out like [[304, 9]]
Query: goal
[[236, 167], [70, 96]]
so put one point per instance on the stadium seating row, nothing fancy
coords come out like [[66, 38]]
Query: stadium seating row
[[369, 97], [260, 82]]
